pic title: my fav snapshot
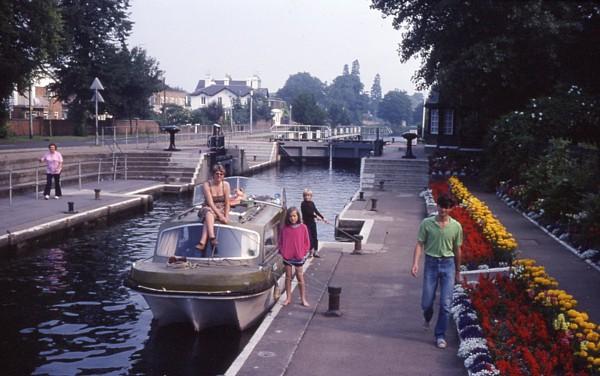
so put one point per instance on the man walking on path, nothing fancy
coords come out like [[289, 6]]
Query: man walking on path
[[441, 238]]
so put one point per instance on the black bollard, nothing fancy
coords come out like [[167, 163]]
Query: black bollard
[[381, 182], [334, 301], [373, 204], [97, 194], [361, 196], [71, 206], [357, 245]]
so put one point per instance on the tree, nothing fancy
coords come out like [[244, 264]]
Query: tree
[[345, 97], [302, 83], [95, 31], [213, 112], [135, 77], [30, 34], [395, 107], [307, 111], [375, 95], [493, 56], [177, 115], [355, 68], [345, 71]]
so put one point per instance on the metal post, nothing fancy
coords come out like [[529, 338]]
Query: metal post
[[373, 204], [114, 134], [115, 163], [361, 196], [125, 167], [334, 301], [79, 168], [97, 194], [37, 183], [251, 93], [96, 114], [10, 187], [30, 111], [99, 169], [357, 245], [126, 131]]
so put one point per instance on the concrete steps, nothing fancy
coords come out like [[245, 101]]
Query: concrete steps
[[411, 175], [256, 152]]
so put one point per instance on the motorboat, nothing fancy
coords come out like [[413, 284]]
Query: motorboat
[[232, 284]]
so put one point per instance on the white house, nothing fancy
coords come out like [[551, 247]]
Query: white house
[[224, 92]]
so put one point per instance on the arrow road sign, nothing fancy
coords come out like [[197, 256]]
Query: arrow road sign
[[97, 85], [97, 97]]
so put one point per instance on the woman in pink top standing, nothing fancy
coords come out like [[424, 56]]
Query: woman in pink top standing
[[54, 164], [294, 244]]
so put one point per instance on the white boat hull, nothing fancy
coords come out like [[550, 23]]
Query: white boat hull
[[207, 311]]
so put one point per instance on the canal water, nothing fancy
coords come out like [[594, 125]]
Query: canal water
[[64, 310]]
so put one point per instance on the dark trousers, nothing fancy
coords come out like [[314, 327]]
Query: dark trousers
[[57, 190], [312, 234]]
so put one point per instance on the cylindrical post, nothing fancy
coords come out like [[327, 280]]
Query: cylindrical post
[[102, 135], [126, 131], [381, 182], [357, 245], [79, 169], [115, 164], [373, 204], [99, 169], [114, 134], [97, 193], [10, 188], [71, 206], [125, 167], [334, 301], [37, 182], [361, 196]]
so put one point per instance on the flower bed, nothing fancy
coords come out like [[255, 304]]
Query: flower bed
[[519, 324]]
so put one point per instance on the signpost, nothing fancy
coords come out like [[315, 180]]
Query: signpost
[[97, 97]]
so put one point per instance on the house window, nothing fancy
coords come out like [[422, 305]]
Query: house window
[[203, 100], [449, 122], [434, 122]]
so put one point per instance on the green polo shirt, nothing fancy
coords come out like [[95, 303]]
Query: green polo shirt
[[437, 241]]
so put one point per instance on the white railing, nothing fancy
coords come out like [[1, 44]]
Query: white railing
[[313, 132]]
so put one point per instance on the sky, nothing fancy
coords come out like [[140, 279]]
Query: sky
[[270, 38]]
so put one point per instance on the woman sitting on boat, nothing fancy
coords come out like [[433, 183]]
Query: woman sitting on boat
[[216, 206]]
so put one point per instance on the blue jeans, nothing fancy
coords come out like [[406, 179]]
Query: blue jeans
[[438, 270]]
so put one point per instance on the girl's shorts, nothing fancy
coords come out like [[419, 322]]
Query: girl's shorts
[[294, 262]]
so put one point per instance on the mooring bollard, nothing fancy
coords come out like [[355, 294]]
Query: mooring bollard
[[361, 196], [381, 182], [373, 204], [254, 158], [334, 301], [97, 194], [357, 245], [71, 206]]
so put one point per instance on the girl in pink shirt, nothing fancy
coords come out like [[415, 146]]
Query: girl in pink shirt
[[294, 244]]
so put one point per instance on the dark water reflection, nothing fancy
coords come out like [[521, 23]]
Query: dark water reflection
[[65, 311]]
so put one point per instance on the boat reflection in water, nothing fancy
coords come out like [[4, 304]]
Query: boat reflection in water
[[178, 350], [232, 284]]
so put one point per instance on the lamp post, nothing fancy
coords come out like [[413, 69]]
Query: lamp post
[[251, 94], [291, 121]]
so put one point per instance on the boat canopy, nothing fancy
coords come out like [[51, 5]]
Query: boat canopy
[[254, 190], [234, 242]]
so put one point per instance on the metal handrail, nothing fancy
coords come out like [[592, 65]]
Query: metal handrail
[[119, 167]]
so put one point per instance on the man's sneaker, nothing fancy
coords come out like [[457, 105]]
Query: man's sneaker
[[316, 254], [57, 197], [441, 343], [425, 324], [46, 197]]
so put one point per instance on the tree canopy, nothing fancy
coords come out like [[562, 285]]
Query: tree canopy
[[302, 83], [30, 33], [494, 56], [395, 108]]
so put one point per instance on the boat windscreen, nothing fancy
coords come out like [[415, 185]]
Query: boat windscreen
[[233, 243], [253, 189]]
